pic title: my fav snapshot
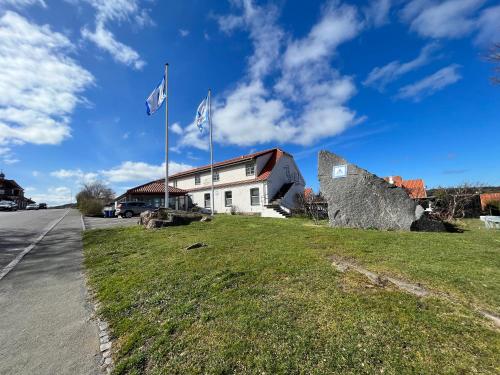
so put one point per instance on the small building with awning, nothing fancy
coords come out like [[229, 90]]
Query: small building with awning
[[153, 193]]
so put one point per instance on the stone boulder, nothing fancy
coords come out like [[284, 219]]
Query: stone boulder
[[360, 199], [166, 217]]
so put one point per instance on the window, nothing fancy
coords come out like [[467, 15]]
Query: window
[[216, 176], [250, 169], [207, 200], [175, 183], [254, 197], [228, 198], [197, 179]]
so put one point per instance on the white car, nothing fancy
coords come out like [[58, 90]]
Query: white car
[[32, 206]]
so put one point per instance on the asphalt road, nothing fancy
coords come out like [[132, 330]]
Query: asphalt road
[[19, 229], [45, 318]]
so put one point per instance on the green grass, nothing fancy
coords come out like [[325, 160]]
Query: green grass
[[264, 298]]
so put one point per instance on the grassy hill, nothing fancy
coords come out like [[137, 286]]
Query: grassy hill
[[263, 297]]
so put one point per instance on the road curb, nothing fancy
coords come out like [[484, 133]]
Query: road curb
[[83, 222], [9, 267]]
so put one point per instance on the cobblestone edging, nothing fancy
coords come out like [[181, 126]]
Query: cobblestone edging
[[105, 344]]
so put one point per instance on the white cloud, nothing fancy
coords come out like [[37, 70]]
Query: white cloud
[[441, 19], [183, 32], [306, 101], [23, 3], [337, 25], [116, 10], [53, 196], [75, 174], [379, 77], [489, 27], [36, 103], [140, 171], [176, 128], [105, 40], [7, 156], [265, 35], [377, 13], [431, 84]]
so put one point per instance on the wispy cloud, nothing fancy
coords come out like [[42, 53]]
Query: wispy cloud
[[380, 77], [304, 100], [489, 27], [431, 84], [75, 174], [128, 171], [116, 10], [183, 32], [23, 3], [53, 196], [36, 104], [441, 19], [140, 171], [377, 12]]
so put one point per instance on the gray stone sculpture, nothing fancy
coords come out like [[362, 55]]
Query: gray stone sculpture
[[359, 199]]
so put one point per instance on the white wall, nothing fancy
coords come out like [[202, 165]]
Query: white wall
[[241, 198], [279, 177], [228, 174]]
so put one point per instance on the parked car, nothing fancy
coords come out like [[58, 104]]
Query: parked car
[[8, 206], [129, 209], [42, 206], [32, 206]]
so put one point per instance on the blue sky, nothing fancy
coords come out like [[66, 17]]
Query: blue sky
[[398, 87]]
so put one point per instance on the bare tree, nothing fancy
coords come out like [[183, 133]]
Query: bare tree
[[455, 202], [93, 196], [494, 57], [313, 206]]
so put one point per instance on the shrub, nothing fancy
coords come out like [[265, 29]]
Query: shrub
[[91, 206]]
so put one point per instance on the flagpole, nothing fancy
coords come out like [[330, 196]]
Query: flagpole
[[166, 134], [211, 151]]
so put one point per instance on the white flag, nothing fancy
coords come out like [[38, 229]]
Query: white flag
[[156, 98], [202, 114]]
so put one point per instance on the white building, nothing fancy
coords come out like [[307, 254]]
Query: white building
[[266, 183]]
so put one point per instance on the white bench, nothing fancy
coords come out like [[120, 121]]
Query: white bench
[[491, 222]]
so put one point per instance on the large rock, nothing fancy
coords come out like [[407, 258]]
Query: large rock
[[362, 200], [166, 217]]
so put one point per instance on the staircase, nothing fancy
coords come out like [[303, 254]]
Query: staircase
[[280, 194], [274, 208], [275, 211]]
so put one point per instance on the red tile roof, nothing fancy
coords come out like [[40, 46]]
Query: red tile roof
[[487, 198], [238, 159], [155, 187], [158, 186], [415, 188], [263, 176], [308, 192]]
